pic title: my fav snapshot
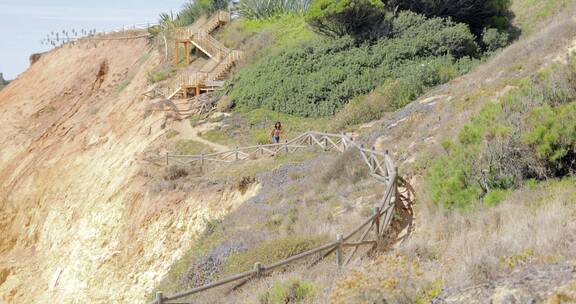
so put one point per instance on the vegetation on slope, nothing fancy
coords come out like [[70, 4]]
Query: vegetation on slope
[[529, 14], [372, 45], [260, 37], [447, 229], [529, 133], [318, 78], [259, 9]]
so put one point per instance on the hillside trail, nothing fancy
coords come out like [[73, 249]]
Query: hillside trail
[[187, 132]]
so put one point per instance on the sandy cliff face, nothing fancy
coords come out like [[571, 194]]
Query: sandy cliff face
[[77, 222]]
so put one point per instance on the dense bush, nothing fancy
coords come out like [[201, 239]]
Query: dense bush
[[318, 78], [552, 136], [494, 39], [256, 9], [361, 19], [478, 14], [530, 133]]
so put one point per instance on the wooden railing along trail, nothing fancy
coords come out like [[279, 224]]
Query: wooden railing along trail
[[370, 232]]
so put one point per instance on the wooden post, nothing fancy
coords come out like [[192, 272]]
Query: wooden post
[[343, 140], [176, 55], [166, 158], [286, 145], [340, 239], [377, 219], [158, 297], [258, 269], [261, 149], [202, 159], [325, 143], [187, 48], [237, 153], [197, 90], [372, 158]]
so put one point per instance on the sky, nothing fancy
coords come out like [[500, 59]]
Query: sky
[[25, 22]]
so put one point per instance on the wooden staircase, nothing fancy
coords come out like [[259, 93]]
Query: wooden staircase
[[197, 83]]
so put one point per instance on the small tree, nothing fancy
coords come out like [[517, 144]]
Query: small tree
[[361, 19]]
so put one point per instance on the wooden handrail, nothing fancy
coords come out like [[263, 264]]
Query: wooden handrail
[[385, 170]]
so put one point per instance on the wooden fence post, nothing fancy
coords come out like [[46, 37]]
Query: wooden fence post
[[166, 158], [237, 153], [202, 159], [325, 142], [340, 239], [261, 149], [258, 269], [373, 158], [377, 221], [158, 297], [286, 144], [343, 141]]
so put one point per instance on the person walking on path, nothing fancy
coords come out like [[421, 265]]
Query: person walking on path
[[276, 132]]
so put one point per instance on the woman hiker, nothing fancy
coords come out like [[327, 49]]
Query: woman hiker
[[276, 132]]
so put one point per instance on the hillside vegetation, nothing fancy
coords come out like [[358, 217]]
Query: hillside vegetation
[[486, 135], [527, 134], [318, 78]]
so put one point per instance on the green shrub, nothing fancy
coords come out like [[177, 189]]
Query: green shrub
[[290, 292], [478, 14], [495, 196], [271, 251], [448, 183], [552, 137], [529, 134], [361, 19], [494, 39], [259, 9], [318, 78]]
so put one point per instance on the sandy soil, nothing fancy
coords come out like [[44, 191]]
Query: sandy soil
[[79, 222]]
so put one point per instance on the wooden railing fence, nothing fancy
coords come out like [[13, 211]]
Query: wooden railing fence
[[370, 232]]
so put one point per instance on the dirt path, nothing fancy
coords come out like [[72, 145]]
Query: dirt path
[[186, 131]]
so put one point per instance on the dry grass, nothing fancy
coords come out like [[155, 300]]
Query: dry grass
[[301, 206], [536, 224], [475, 245]]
